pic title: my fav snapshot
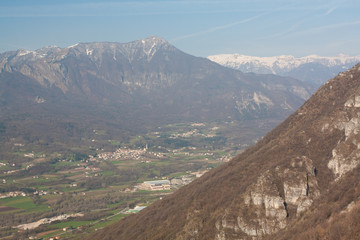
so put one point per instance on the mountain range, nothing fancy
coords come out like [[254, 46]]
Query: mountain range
[[299, 182], [312, 69], [55, 97]]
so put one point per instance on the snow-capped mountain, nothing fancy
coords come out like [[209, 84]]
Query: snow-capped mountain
[[312, 68], [136, 50]]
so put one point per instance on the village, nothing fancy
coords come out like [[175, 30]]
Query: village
[[87, 169], [121, 180]]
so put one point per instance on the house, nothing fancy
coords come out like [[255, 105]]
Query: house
[[65, 229]]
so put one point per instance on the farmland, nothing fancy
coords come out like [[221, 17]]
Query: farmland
[[101, 186]]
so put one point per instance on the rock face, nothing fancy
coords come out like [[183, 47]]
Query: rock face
[[345, 156], [270, 201], [262, 199], [267, 192]]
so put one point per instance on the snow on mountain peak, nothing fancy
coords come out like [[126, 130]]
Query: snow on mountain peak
[[73, 45], [23, 52], [154, 39], [278, 64], [149, 46]]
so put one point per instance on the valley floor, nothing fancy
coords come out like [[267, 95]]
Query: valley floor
[[51, 195]]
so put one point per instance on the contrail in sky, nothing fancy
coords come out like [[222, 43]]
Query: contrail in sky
[[330, 11], [214, 29]]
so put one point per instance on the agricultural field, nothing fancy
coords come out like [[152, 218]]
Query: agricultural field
[[53, 194]]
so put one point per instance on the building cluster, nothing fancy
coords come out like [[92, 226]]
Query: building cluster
[[55, 238], [12, 171], [157, 185], [13, 194], [29, 166], [198, 124], [192, 133], [166, 184], [123, 153], [23, 194], [224, 158], [181, 181], [29, 155], [40, 193], [11, 165], [157, 154]]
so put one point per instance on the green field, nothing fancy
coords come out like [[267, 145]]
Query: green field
[[25, 203], [71, 224], [109, 221]]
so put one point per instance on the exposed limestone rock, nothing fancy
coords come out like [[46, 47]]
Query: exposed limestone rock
[[345, 156], [303, 204], [263, 200], [260, 98], [300, 184], [293, 191], [191, 229], [353, 102], [341, 165], [264, 194], [265, 203], [39, 99], [220, 236], [301, 92], [255, 101], [325, 127], [351, 127]]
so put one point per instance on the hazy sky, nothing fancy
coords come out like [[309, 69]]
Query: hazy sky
[[201, 28]]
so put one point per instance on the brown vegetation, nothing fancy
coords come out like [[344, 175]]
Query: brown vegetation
[[192, 211]]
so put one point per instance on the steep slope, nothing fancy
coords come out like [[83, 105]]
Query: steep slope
[[60, 95], [312, 69], [274, 186]]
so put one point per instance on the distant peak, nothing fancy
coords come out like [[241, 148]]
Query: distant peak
[[281, 62], [154, 40], [47, 48], [51, 46]]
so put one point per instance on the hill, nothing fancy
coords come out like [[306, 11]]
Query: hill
[[298, 182]]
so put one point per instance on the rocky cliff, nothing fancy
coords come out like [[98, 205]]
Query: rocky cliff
[[303, 172]]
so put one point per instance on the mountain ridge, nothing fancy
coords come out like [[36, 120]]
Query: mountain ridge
[[312, 68], [273, 186], [139, 85]]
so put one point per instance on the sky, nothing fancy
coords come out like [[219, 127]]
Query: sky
[[201, 28]]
